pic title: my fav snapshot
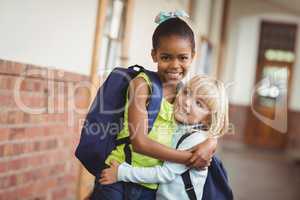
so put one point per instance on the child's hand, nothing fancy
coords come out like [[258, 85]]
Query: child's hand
[[202, 154], [110, 175]]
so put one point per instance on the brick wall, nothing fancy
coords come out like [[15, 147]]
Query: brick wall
[[41, 111]]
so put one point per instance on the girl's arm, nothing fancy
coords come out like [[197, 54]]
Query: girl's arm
[[203, 151], [138, 129], [157, 174]]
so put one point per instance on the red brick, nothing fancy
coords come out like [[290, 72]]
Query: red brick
[[40, 145], [37, 146], [8, 100], [51, 144], [17, 164], [38, 197], [7, 181], [18, 149], [29, 147], [34, 132], [25, 191], [36, 72], [50, 183], [8, 67], [57, 169], [4, 150], [40, 160], [3, 82], [15, 117], [61, 193], [3, 167], [3, 117], [64, 180], [10, 82], [4, 132], [17, 133], [26, 102], [12, 149], [31, 176], [8, 195]]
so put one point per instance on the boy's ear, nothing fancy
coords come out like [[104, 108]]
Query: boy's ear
[[153, 55]]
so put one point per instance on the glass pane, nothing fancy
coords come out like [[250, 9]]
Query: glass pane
[[114, 55], [108, 18], [279, 55], [103, 55], [116, 18], [111, 40]]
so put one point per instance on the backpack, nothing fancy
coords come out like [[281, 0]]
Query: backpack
[[216, 185], [106, 116]]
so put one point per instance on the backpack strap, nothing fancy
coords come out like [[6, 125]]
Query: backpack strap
[[152, 108], [188, 185], [124, 140], [186, 178], [155, 99], [182, 138], [156, 95]]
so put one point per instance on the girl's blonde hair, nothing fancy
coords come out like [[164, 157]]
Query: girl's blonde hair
[[213, 93]]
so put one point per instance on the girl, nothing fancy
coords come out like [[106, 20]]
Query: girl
[[173, 51], [201, 103]]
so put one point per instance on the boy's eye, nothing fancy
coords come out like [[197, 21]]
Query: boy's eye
[[185, 92], [199, 103]]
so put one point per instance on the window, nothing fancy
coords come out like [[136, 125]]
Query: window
[[110, 54]]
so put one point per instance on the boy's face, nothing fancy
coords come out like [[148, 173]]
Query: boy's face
[[173, 57], [190, 108]]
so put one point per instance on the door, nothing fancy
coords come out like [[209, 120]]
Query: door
[[267, 119]]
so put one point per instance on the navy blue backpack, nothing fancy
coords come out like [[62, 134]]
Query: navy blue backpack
[[105, 117], [216, 186]]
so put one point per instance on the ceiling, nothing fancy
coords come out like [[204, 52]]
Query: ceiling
[[291, 5]]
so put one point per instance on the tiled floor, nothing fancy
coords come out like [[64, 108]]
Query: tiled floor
[[260, 174]]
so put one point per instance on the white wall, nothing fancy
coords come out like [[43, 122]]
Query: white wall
[[143, 27], [244, 62], [241, 53], [56, 33]]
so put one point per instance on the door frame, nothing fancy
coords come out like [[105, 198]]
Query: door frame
[[251, 119]]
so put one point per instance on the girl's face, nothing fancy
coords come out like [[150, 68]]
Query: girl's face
[[190, 108], [173, 57]]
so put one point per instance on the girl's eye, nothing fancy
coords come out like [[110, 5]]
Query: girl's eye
[[183, 58], [165, 58]]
